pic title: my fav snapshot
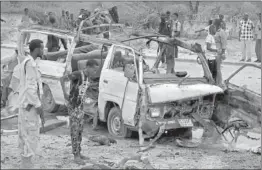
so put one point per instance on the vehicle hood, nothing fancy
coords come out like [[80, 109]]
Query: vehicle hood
[[160, 93]]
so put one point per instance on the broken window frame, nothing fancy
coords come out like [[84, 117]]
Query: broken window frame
[[227, 81]]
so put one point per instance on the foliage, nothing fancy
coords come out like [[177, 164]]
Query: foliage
[[140, 14]]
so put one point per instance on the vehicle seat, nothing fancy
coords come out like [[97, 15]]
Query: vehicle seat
[[81, 64], [181, 73]]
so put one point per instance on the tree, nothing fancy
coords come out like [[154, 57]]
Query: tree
[[193, 10]]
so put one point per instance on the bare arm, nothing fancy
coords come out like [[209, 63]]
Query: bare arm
[[223, 41], [200, 30], [210, 49], [73, 76], [239, 32]]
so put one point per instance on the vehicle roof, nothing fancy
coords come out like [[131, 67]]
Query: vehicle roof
[[61, 32], [83, 37], [46, 29]]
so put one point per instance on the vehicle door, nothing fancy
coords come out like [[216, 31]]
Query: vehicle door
[[243, 93], [130, 100], [113, 83]]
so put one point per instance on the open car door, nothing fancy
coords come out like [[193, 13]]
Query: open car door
[[243, 94]]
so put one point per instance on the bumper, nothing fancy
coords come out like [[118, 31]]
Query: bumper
[[153, 125]]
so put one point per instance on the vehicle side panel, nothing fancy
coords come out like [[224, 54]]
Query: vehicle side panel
[[51, 73]]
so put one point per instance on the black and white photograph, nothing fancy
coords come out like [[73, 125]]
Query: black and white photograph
[[131, 84]]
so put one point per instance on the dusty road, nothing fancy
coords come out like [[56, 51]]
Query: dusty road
[[55, 152], [55, 149]]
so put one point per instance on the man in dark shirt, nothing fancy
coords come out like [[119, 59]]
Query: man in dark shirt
[[165, 25], [165, 28], [80, 82]]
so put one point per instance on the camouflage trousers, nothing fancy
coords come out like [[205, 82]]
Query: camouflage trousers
[[76, 128]]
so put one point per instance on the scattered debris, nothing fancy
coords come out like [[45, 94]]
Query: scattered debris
[[138, 158], [103, 140], [230, 150], [256, 150], [187, 143], [166, 154]]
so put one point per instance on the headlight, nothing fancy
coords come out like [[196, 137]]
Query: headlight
[[155, 112]]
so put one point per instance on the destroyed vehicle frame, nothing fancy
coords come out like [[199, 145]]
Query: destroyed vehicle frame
[[51, 70], [123, 95]]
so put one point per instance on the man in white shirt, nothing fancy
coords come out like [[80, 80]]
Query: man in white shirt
[[258, 39], [176, 26], [30, 109], [176, 29]]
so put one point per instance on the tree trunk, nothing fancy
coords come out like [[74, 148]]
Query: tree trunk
[[196, 7], [193, 10]]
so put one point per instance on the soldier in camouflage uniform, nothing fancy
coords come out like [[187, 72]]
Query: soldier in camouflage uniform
[[80, 81]]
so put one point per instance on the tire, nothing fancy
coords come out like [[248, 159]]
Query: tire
[[113, 119], [48, 102]]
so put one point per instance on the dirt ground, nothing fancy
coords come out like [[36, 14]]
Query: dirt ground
[[55, 152]]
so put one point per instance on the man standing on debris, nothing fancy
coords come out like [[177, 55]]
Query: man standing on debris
[[258, 39], [221, 44], [79, 83], [30, 109], [246, 28]]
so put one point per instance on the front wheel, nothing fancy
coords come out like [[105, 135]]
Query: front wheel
[[48, 102], [115, 125]]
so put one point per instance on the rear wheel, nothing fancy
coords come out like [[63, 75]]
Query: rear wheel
[[48, 102], [115, 125]]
